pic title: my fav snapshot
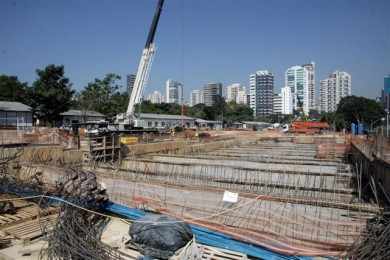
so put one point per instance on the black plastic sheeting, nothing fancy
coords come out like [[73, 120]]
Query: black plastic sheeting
[[160, 236]]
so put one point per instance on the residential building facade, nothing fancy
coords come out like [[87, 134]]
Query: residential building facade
[[277, 104], [174, 92], [241, 96], [333, 89], [232, 92], [130, 79], [297, 78], [155, 97], [287, 101], [261, 87], [211, 92], [310, 67], [196, 97]]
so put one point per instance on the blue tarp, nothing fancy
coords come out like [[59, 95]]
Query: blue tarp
[[209, 237]]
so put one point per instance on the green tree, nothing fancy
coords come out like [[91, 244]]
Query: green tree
[[11, 89], [164, 108], [219, 108], [353, 109], [335, 120], [103, 95], [231, 112], [198, 111], [237, 112], [51, 93]]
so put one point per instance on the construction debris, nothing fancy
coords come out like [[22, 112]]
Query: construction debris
[[76, 233], [374, 242]]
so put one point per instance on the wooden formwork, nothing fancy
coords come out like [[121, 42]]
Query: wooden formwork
[[26, 223]]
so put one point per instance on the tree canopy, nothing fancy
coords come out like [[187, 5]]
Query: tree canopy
[[163, 108], [229, 112], [237, 112], [51, 93], [11, 89], [104, 96], [353, 109]]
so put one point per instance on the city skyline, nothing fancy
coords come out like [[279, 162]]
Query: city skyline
[[63, 39]]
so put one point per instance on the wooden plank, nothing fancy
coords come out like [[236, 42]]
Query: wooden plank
[[221, 254], [13, 217], [32, 211], [2, 217], [31, 229]]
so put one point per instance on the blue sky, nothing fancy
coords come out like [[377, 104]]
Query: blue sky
[[198, 41]]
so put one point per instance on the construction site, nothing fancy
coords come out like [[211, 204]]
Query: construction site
[[244, 194], [81, 184]]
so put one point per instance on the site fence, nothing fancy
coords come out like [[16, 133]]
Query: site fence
[[378, 144], [37, 136]]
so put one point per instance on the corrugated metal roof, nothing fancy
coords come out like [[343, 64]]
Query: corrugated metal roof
[[74, 112], [256, 123], [164, 116], [199, 120], [14, 106]]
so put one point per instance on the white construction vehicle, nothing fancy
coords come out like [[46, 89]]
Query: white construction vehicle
[[128, 120]]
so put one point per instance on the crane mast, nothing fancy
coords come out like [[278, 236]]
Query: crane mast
[[144, 65]]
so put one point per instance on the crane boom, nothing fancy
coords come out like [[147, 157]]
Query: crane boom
[[144, 64]]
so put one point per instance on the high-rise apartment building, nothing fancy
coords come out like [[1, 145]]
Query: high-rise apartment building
[[310, 67], [174, 92], [261, 86], [277, 104], [231, 92], [241, 97], [333, 89], [237, 93], [297, 78], [287, 101], [196, 97], [155, 97], [130, 79], [211, 92]]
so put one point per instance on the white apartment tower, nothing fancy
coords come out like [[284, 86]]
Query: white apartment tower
[[196, 97], [297, 79], [235, 92], [261, 86], [241, 96], [155, 97], [310, 67], [287, 101], [277, 104], [333, 89], [174, 92]]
